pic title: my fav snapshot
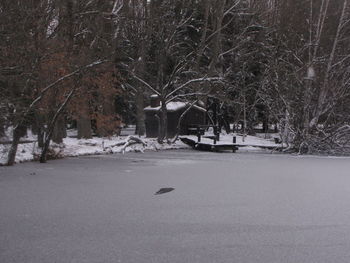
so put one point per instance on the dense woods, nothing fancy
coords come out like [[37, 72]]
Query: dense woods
[[93, 64]]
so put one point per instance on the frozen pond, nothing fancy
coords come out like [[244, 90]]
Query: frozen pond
[[225, 208]]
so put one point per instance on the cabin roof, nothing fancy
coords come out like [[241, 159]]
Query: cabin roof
[[175, 106]]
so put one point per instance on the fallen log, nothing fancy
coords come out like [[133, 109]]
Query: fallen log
[[130, 140]]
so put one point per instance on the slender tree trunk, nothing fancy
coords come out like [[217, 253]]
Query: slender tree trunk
[[41, 134], [286, 128], [43, 155], [40, 129], [265, 125], [140, 70], [244, 118]]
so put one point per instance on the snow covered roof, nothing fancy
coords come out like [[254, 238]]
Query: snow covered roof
[[174, 106]]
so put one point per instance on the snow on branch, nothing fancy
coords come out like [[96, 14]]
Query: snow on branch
[[191, 82], [117, 7], [181, 96], [178, 68]]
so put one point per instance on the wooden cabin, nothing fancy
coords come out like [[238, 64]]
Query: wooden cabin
[[194, 116]]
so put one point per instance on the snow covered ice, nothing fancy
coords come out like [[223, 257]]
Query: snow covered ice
[[243, 207]]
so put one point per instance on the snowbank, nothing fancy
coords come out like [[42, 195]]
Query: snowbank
[[117, 144], [78, 147]]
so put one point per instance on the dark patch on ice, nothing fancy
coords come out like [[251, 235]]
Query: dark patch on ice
[[164, 190]]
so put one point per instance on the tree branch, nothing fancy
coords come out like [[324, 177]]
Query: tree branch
[[42, 93], [146, 84]]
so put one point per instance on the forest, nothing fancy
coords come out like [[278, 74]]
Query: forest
[[93, 65]]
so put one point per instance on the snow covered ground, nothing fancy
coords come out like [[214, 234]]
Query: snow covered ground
[[72, 146]]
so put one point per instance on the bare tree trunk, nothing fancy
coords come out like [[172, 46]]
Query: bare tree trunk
[[38, 128], [313, 44], [140, 116], [107, 128], [202, 43], [59, 131], [140, 70], [325, 86], [45, 149], [2, 130], [18, 132], [84, 122], [51, 126], [41, 137], [84, 127], [163, 123], [218, 17]]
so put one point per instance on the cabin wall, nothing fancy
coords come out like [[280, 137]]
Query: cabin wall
[[173, 119], [151, 123], [192, 117]]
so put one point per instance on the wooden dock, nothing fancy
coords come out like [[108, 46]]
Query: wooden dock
[[217, 146], [214, 146]]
